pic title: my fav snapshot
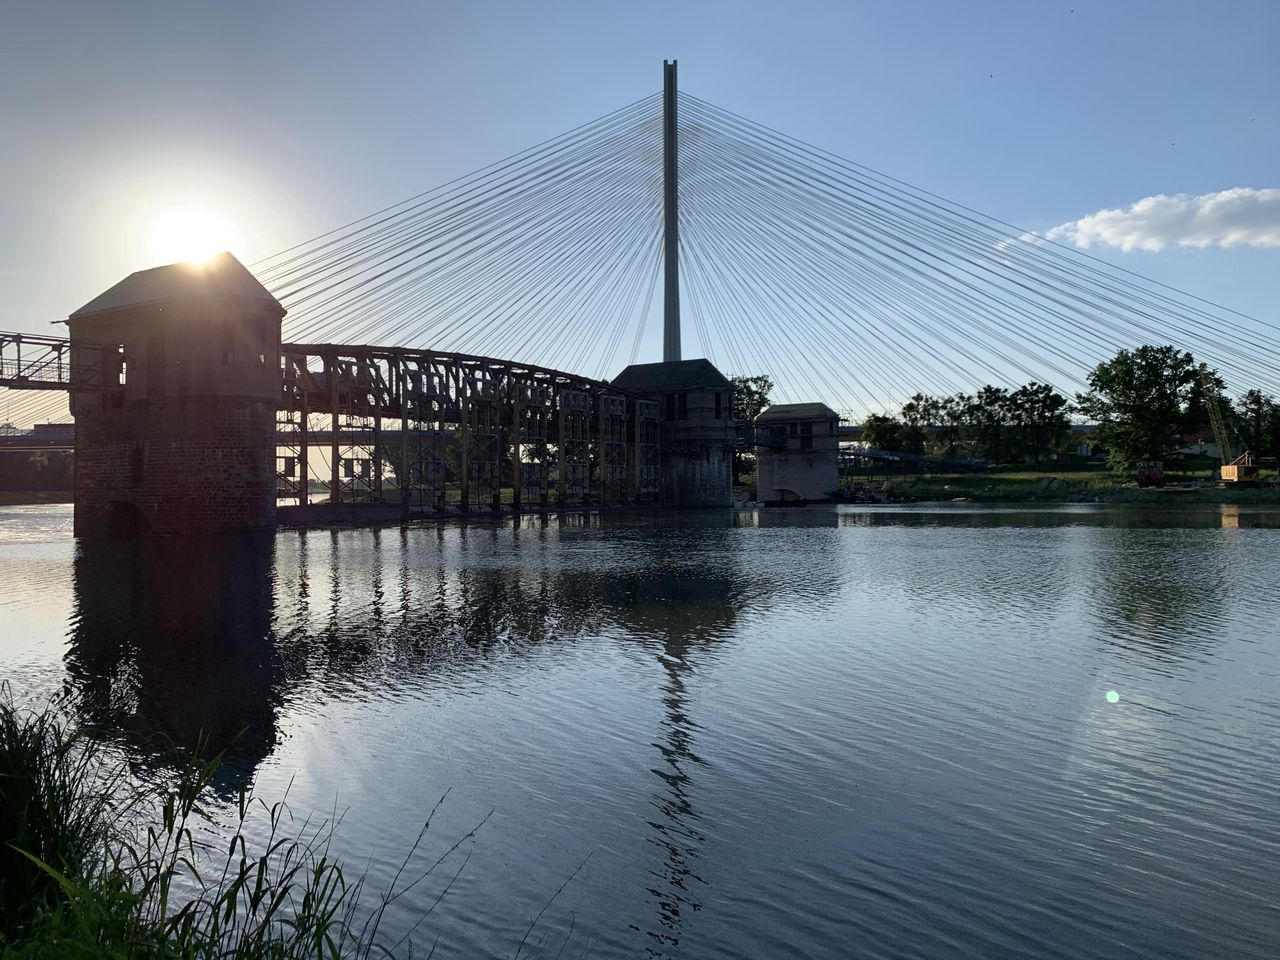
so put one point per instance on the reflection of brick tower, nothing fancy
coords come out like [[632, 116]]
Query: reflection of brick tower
[[189, 444]]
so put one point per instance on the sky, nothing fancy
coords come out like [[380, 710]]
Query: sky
[[282, 120]]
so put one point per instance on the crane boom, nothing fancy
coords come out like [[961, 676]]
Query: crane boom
[[1233, 468]]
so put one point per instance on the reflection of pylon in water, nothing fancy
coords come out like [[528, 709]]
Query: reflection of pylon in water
[[676, 835]]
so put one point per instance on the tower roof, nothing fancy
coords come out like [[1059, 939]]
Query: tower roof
[[220, 276], [798, 411], [671, 376]]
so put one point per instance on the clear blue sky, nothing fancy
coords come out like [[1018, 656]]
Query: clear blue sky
[[290, 118]]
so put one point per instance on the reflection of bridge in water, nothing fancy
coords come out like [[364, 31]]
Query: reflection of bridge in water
[[174, 639]]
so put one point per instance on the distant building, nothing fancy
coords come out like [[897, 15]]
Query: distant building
[[694, 400], [797, 445], [188, 442], [54, 432]]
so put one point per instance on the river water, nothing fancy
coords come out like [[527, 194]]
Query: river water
[[856, 732]]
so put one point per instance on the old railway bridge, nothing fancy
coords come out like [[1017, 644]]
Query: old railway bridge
[[357, 375], [191, 414]]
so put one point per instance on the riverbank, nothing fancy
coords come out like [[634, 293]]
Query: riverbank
[[20, 498], [1092, 488]]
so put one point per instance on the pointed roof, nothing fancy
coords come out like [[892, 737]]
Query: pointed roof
[[220, 276], [671, 376], [798, 411]]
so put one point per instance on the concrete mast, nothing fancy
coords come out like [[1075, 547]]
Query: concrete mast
[[670, 218]]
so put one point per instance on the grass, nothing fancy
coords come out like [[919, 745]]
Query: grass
[[1076, 482], [52, 809], [88, 869]]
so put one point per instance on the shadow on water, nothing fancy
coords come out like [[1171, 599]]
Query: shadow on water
[[171, 643], [174, 639]]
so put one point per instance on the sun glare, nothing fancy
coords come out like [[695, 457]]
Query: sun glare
[[193, 234]]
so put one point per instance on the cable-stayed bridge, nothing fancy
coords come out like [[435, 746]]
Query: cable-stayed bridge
[[841, 283], [735, 242]]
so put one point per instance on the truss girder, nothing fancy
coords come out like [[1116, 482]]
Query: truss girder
[[440, 431]]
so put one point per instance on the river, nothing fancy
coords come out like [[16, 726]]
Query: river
[[957, 731]]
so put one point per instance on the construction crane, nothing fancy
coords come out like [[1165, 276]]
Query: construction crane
[[1234, 468]]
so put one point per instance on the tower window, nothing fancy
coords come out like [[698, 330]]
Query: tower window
[[719, 407]]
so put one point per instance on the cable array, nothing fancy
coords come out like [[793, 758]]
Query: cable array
[[850, 286], [839, 282], [22, 408], [544, 257]]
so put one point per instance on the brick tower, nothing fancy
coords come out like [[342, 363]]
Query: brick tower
[[188, 444], [697, 432]]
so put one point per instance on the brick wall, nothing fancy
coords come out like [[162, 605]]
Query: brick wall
[[186, 466]]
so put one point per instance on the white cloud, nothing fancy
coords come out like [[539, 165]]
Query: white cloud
[[1230, 218]]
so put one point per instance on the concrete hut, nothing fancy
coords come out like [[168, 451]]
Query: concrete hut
[[188, 443], [797, 445], [697, 432]]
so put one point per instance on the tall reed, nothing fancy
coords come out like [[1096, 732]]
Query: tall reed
[[87, 874]]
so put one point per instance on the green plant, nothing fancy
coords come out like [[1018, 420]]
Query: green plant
[[54, 806], [94, 870]]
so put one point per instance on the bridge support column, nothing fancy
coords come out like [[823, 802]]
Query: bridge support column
[[304, 432], [189, 444], [513, 444], [402, 395], [335, 446], [464, 452]]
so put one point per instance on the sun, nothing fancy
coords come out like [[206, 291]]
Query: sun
[[193, 234]]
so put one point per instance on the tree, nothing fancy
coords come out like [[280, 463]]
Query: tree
[[1144, 401], [750, 396], [882, 433], [1259, 416], [952, 416], [1040, 415], [919, 414], [989, 415]]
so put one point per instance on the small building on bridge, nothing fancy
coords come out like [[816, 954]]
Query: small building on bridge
[[177, 433], [797, 445], [694, 401]]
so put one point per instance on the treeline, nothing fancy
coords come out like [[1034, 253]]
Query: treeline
[[993, 424], [1144, 403], [35, 470]]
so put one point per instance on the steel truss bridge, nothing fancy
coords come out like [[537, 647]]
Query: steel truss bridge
[[456, 430], [427, 430]]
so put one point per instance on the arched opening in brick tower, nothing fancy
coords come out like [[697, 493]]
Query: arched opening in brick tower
[[125, 521]]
